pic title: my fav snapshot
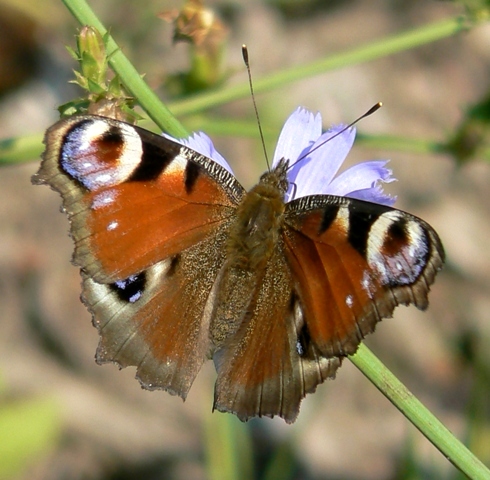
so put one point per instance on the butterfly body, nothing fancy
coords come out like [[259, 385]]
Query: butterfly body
[[181, 264], [256, 228]]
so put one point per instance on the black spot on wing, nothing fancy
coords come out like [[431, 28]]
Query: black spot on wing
[[397, 232], [158, 154], [174, 263], [329, 215], [362, 215], [303, 341], [131, 289], [112, 137], [192, 172]]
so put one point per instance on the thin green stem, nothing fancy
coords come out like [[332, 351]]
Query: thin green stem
[[24, 148], [248, 129], [228, 448], [381, 48], [20, 149], [221, 454], [129, 76], [418, 414], [401, 144]]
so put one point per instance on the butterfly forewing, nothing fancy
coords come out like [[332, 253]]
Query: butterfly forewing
[[129, 203], [354, 262]]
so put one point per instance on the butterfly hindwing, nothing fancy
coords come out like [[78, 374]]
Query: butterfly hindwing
[[268, 365], [159, 320]]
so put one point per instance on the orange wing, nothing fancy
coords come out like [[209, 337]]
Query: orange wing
[[133, 197], [353, 263], [149, 218], [339, 267]]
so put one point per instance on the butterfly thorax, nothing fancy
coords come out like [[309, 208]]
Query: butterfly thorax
[[256, 229]]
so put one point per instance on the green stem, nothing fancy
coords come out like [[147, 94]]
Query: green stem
[[20, 149], [400, 144], [129, 76], [381, 48], [418, 414], [228, 448], [248, 129], [220, 448]]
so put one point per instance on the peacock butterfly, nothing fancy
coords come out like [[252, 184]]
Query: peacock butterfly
[[180, 264]]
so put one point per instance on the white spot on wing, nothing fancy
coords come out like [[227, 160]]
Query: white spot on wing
[[349, 301], [367, 284], [103, 179], [342, 218], [134, 298], [103, 199], [177, 165], [90, 132], [112, 226]]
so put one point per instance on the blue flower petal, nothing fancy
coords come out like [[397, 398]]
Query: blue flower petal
[[300, 131], [361, 176], [313, 174], [202, 144], [374, 194], [315, 160]]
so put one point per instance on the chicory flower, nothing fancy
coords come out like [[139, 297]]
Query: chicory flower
[[315, 160]]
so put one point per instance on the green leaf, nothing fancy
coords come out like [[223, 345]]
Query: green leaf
[[28, 430]]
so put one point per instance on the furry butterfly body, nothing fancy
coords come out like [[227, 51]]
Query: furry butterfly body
[[181, 264]]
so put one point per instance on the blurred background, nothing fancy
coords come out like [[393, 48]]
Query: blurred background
[[64, 417]]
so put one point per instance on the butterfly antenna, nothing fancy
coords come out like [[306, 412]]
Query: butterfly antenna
[[247, 64], [373, 109]]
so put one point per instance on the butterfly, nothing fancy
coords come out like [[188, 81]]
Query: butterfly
[[181, 264]]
